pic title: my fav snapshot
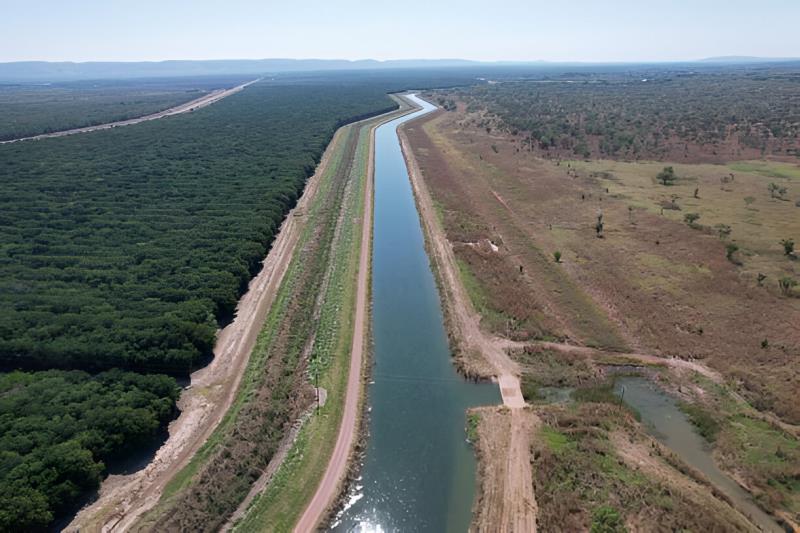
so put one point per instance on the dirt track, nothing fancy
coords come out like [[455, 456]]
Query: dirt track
[[330, 485], [125, 498], [516, 510], [198, 103]]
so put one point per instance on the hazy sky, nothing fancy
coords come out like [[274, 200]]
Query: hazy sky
[[571, 30]]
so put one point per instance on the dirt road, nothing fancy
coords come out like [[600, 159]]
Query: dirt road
[[125, 498], [330, 484], [516, 510], [198, 103]]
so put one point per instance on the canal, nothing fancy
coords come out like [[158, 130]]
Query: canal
[[419, 471]]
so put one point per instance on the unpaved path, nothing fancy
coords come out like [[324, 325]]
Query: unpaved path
[[517, 510], [213, 388], [198, 103], [331, 483]]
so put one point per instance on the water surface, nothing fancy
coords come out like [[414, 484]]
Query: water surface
[[671, 426], [419, 471]]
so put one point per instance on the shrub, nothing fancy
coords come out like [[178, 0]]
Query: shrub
[[606, 519], [731, 249], [788, 246], [557, 256], [691, 219], [723, 230], [666, 176], [787, 284]]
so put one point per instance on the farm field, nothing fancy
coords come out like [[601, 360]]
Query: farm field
[[28, 109], [657, 288]]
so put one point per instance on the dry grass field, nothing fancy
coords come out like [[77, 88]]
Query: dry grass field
[[524, 230]]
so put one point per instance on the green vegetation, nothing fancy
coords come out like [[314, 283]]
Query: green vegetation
[[27, 110], [473, 420], [279, 506], [707, 425], [646, 114], [691, 219], [583, 483], [119, 250], [666, 176], [557, 256], [731, 249], [788, 247], [530, 388], [59, 429], [606, 519], [787, 284]]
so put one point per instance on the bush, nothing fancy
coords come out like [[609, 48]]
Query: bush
[[788, 246], [666, 176], [557, 256], [606, 519], [731, 249], [787, 284], [691, 219]]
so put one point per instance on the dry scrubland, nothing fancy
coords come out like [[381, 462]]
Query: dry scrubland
[[652, 287]]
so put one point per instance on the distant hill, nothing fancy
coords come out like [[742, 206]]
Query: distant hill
[[44, 71], [747, 59], [40, 71]]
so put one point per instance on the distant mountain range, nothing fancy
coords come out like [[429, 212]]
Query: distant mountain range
[[45, 71], [747, 59], [23, 71]]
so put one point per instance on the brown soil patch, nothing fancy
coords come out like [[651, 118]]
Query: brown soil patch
[[506, 501]]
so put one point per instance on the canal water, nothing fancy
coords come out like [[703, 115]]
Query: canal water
[[419, 471], [671, 426]]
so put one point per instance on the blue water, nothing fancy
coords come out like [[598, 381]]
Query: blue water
[[419, 471]]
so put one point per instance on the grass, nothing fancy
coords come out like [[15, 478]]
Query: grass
[[769, 169], [530, 388], [758, 222], [279, 506], [555, 440], [473, 421], [706, 424]]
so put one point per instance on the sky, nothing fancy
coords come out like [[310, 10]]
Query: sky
[[490, 30]]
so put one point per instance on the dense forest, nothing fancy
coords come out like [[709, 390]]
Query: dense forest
[[647, 114], [57, 430], [127, 247], [33, 109]]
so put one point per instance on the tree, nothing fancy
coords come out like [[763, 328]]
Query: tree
[[691, 219], [557, 256], [666, 176], [723, 230], [788, 246], [598, 227], [786, 284], [731, 249]]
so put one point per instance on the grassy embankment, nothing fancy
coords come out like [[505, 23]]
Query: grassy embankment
[[279, 506]]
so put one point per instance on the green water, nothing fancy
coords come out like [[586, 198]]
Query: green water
[[671, 426], [419, 471]]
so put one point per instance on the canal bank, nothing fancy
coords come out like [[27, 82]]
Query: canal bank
[[418, 471]]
